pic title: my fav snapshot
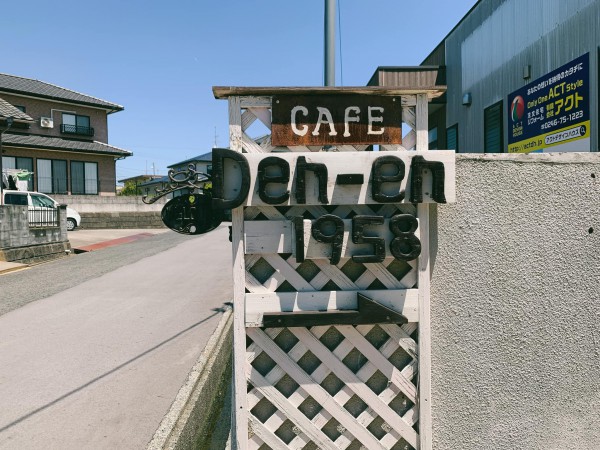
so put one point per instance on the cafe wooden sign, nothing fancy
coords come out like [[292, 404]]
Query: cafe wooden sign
[[336, 119], [331, 264]]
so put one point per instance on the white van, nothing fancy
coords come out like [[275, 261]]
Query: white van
[[36, 201]]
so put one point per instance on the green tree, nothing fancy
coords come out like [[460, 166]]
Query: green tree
[[130, 188]]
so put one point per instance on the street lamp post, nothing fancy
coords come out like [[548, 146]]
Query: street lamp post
[[9, 122]]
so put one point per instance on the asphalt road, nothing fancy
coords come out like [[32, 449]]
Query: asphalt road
[[94, 347], [44, 280]]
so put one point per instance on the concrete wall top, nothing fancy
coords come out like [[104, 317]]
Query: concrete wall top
[[515, 304], [99, 204]]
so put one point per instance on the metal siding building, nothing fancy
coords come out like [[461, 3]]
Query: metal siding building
[[501, 46]]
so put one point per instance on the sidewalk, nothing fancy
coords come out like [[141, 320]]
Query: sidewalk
[[91, 240]]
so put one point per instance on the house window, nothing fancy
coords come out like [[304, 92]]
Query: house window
[[84, 177], [52, 176], [433, 139], [209, 169], [492, 129], [15, 162], [452, 138], [20, 108], [75, 124]]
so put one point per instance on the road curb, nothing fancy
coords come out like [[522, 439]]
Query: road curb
[[190, 420]]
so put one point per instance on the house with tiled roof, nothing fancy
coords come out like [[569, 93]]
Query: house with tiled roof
[[59, 135], [201, 163]]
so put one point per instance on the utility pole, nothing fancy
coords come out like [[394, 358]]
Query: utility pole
[[329, 42]]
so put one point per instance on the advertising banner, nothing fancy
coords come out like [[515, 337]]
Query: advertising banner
[[553, 112]]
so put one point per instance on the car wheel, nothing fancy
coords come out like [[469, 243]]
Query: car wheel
[[71, 224]]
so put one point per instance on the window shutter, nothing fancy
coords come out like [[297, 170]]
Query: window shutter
[[493, 142], [452, 138]]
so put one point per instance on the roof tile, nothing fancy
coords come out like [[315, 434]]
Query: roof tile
[[55, 143], [20, 85]]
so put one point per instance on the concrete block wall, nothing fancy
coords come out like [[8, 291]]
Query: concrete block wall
[[20, 243], [14, 226], [114, 212], [515, 304], [103, 204]]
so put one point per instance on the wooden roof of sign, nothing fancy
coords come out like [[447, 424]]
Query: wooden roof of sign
[[232, 91]]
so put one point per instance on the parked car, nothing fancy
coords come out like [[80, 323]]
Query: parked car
[[39, 204]]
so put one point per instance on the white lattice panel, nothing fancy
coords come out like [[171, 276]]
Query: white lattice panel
[[325, 387]]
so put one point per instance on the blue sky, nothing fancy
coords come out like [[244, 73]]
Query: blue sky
[[160, 59]]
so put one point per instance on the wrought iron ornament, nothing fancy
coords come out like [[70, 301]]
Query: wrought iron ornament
[[190, 213], [182, 179]]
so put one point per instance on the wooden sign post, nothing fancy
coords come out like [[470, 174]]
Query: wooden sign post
[[331, 265]]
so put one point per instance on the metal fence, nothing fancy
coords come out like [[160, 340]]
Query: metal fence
[[41, 217]]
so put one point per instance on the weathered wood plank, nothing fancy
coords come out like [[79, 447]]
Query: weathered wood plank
[[354, 383], [258, 303], [382, 364], [409, 117], [248, 118], [342, 396], [425, 425], [279, 400], [315, 391], [263, 114], [410, 140], [267, 436], [263, 91], [292, 277], [250, 145], [239, 274], [255, 102]]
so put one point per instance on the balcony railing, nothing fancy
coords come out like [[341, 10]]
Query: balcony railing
[[76, 129]]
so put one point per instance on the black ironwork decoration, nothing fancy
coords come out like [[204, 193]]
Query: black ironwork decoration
[[369, 312], [336, 238], [417, 166], [350, 178], [191, 214], [265, 179], [359, 222], [379, 179], [405, 245], [218, 178], [182, 179], [320, 171]]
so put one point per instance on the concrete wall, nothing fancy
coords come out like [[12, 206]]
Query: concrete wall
[[20, 243], [114, 212], [516, 304], [99, 204]]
